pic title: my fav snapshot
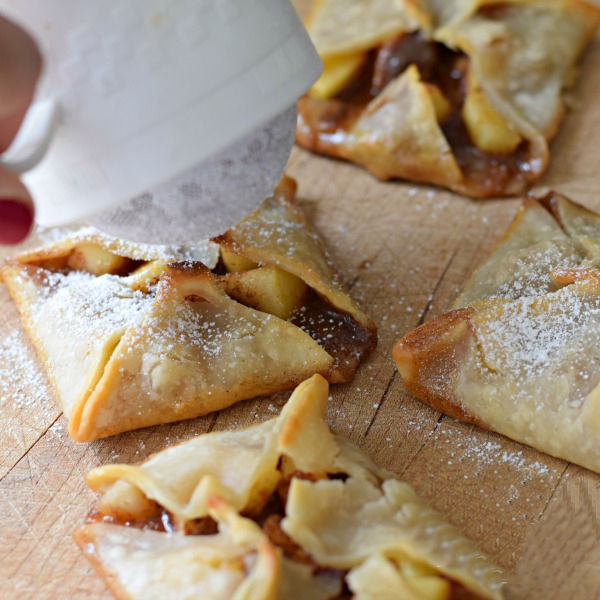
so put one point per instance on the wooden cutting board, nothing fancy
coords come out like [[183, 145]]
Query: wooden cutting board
[[404, 251]]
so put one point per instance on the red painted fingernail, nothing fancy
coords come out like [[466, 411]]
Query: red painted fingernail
[[16, 220]]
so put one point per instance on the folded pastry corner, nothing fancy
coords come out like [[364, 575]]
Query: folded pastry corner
[[477, 85], [133, 335], [283, 509], [239, 561], [519, 354]]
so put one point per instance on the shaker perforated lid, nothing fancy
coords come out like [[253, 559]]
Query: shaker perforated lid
[[156, 91]]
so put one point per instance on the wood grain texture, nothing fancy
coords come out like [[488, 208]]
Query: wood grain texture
[[404, 251]]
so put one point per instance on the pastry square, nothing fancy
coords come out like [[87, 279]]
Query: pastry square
[[520, 353], [134, 335], [461, 94], [284, 509]]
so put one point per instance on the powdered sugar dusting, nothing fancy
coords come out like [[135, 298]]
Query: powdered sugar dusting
[[277, 228], [490, 453], [201, 326], [481, 456], [511, 477], [527, 273], [552, 336], [22, 383], [89, 303], [205, 251], [26, 401]]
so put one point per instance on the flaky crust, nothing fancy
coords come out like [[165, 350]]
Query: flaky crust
[[520, 355], [521, 54], [342, 28], [166, 342], [429, 358], [341, 514], [279, 233]]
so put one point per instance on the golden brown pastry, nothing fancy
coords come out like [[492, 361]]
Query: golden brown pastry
[[520, 353], [284, 509], [462, 94], [133, 336]]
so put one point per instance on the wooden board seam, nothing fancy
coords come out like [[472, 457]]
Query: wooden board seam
[[381, 401], [31, 447], [426, 439]]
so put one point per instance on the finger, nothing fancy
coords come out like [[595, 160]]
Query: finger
[[20, 67], [16, 209]]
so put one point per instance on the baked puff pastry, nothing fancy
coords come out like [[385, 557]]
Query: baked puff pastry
[[463, 94], [520, 353], [133, 336], [283, 509]]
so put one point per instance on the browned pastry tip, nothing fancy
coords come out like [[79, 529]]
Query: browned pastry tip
[[428, 360]]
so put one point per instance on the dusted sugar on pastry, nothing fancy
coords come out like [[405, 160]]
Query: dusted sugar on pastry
[[134, 335], [284, 509], [463, 94], [520, 354]]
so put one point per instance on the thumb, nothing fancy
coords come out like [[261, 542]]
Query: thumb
[[16, 209]]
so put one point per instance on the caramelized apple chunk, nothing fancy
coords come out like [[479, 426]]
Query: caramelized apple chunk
[[425, 581], [441, 104], [487, 128], [338, 71], [147, 275], [235, 263], [95, 260], [268, 289]]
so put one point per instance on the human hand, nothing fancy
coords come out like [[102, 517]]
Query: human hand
[[20, 67]]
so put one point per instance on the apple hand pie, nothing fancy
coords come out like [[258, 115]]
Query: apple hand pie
[[283, 509], [461, 94], [520, 353], [130, 338]]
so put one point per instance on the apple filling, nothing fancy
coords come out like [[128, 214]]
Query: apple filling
[[412, 579], [488, 150], [266, 288]]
